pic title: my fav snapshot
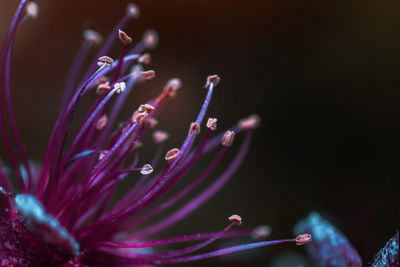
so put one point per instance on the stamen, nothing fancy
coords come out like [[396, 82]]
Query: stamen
[[261, 232], [148, 75], [103, 88], [136, 145], [146, 169], [105, 61], [150, 39], [125, 39], [212, 124], [145, 59], [101, 122], [172, 155], [212, 79], [32, 10], [102, 79], [227, 139], [172, 86], [236, 219], [119, 87], [194, 128], [93, 37], [303, 239], [146, 108], [150, 122], [160, 136], [250, 123], [140, 116], [132, 11], [102, 154]]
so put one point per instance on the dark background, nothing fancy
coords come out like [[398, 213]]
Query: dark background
[[323, 76]]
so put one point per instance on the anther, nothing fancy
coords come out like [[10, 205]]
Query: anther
[[140, 116], [172, 85], [212, 79], [102, 79], [150, 122], [160, 136], [212, 123], [194, 128], [105, 61], [136, 145], [103, 88], [250, 123], [132, 11], [146, 108], [101, 122], [93, 37], [261, 232], [172, 154], [303, 239], [32, 10], [227, 139], [150, 39], [119, 87], [136, 71], [148, 75], [145, 59], [235, 219], [146, 169], [125, 39], [102, 154]]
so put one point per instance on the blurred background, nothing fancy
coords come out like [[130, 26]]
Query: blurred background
[[323, 76]]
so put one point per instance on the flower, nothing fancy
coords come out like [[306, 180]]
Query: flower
[[61, 214]]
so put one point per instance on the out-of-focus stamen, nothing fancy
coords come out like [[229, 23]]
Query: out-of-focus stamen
[[145, 59], [132, 11], [137, 145], [250, 123], [93, 37], [172, 86], [150, 39], [261, 232], [101, 122], [32, 10], [103, 88], [146, 108], [102, 154], [160, 136], [148, 75], [227, 139], [150, 122]]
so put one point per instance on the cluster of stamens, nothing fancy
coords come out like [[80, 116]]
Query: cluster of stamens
[[66, 205]]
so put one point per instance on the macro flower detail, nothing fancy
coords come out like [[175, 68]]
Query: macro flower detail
[[60, 213]]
